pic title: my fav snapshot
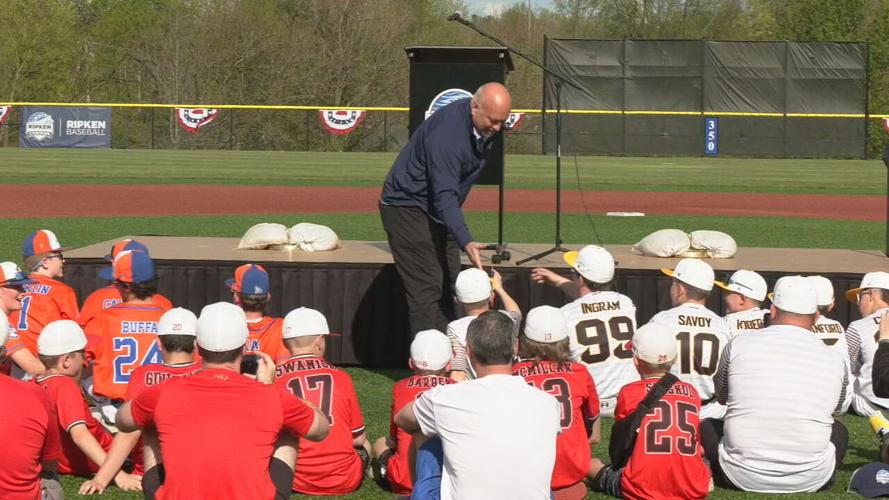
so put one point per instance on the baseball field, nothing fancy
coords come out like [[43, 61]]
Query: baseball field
[[89, 196]]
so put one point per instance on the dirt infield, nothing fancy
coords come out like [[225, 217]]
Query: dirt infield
[[64, 200]]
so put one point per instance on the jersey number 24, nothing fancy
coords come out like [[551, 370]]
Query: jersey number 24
[[126, 357]]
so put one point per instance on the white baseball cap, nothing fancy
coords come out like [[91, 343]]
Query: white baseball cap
[[303, 322], [654, 343], [747, 283], [4, 330], [473, 285], [593, 263], [794, 294], [430, 350], [62, 337], [823, 289], [178, 321], [877, 279], [694, 272], [222, 327], [545, 324]]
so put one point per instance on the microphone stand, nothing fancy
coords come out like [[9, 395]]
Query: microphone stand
[[560, 81]]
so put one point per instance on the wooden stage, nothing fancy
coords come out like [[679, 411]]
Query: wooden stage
[[357, 287]]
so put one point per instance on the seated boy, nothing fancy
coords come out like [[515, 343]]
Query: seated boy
[[430, 360], [666, 461], [85, 442]]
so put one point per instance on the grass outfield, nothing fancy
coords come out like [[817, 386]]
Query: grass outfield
[[132, 166], [374, 390], [519, 228]]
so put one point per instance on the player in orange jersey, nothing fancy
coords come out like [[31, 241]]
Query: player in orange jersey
[[250, 291], [85, 441], [128, 330], [11, 282], [176, 331], [336, 465], [46, 299], [544, 355], [108, 296], [430, 359]]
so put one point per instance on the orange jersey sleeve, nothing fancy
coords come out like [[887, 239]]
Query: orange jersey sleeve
[[129, 334], [97, 302], [44, 300]]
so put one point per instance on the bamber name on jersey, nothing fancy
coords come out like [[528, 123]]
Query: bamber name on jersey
[[300, 364], [694, 321], [138, 327], [831, 328], [599, 306]]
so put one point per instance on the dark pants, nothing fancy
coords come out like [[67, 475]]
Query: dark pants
[[428, 260], [712, 431]]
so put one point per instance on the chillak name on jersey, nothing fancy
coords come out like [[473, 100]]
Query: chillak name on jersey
[[543, 369], [295, 365], [693, 321], [138, 327], [599, 306]]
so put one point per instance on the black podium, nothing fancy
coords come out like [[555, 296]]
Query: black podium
[[437, 70]]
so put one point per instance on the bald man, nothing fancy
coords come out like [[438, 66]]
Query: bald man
[[423, 195]]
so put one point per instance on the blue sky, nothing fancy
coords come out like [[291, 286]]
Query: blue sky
[[494, 7]]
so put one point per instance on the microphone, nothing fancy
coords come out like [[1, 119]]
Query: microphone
[[456, 16]]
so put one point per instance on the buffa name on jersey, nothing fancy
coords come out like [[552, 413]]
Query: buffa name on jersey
[[595, 307], [694, 321], [138, 327]]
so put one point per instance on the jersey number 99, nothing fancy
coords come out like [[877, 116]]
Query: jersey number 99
[[594, 334]]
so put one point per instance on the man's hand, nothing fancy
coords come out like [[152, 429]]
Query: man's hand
[[884, 327], [545, 276], [91, 487], [265, 371], [496, 281], [473, 249], [128, 482]]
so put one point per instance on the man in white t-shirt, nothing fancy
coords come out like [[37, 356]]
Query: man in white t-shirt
[[601, 322], [476, 293], [498, 434], [743, 302], [873, 299], [782, 387], [701, 333]]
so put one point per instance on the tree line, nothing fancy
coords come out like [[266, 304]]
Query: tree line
[[350, 52]]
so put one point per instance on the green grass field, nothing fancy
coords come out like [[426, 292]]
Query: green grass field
[[368, 169]]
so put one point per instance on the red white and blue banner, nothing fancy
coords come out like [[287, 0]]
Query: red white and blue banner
[[885, 124], [5, 111], [192, 119], [514, 121], [341, 121]]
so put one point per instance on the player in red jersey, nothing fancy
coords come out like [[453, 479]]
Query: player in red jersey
[[176, 332], [46, 299], [250, 291], [217, 428], [11, 282], [128, 330], [29, 433], [430, 360], [84, 440], [667, 459], [335, 466], [544, 356], [108, 296]]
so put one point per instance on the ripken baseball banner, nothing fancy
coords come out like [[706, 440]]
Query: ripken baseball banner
[[192, 119], [341, 121], [65, 127]]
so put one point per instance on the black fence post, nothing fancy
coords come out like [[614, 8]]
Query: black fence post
[[231, 130], [152, 128], [385, 130], [306, 143]]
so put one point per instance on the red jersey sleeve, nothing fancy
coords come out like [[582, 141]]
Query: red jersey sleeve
[[298, 416], [52, 445], [143, 407], [591, 406], [69, 404], [136, 384], [393, 429], [356, 419]]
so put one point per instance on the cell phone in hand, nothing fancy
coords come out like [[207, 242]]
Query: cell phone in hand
[[249, 364]]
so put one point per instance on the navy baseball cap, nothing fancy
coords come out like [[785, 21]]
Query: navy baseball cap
[[130, 266], [871, 480], [250, 279]]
